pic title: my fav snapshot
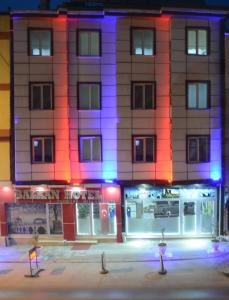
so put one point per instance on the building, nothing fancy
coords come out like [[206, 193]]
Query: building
[[5, 176], [118, 121]]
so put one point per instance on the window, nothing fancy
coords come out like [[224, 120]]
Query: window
[[198, 95], [144, 149], [41, 95], [43, 149], [143, 94], [40, 42], [90, 148], [143, 41], [89, 95], [198, 149], [197, 41], [88, 42]]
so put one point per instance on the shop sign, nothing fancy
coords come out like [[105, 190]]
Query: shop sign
[[59, 194]]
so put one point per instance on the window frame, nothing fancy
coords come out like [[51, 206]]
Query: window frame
[[196, 28], [42, 137], [78, 95], [78, 30], [196, 136], [143, 136], [132, 29], [80, 137], [41, 83], [143, 83], [30, 29], [208, 82]]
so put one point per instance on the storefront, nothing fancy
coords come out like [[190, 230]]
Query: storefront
[[72, 212], [182, 211]]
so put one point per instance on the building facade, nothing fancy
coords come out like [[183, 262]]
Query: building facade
[[5, 113], [117, 123]]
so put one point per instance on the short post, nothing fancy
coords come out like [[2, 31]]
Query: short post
[[103, 264], [162, 270]]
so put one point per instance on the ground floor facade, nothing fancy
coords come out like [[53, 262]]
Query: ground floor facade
[[112, 211]]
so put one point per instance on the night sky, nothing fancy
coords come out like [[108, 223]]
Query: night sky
[[33, 4]]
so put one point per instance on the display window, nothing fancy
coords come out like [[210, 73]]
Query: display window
[[96, 219], [179, 211], [30, 218]]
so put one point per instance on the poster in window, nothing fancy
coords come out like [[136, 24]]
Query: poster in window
[[166, 209], [189, 208], [55, 219]]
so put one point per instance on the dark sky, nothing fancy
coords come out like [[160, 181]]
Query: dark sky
[[30, 4]]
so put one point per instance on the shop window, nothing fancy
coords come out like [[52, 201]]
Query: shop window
[[40, 42], [90, 148], [88, 42], [30, 218], [143, 41], [43, 149], [143, 94], [197, 41], [41, 95], [144, 148], [198, 149], [198, 95], [89, 95]]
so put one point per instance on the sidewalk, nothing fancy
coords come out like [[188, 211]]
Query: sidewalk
[[131, 251]]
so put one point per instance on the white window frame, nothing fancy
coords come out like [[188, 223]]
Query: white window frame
[[144, 84], [89, 50], [41, 86], [90, 84], [196, 30], [142, 30], [40, 31], [42, 138], [197, 139], [90, 138], [144, 138]]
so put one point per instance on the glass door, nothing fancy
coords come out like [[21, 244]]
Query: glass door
[[96, 219], [189, 217]]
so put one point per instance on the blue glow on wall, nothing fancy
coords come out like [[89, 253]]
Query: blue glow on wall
[[215, 155]]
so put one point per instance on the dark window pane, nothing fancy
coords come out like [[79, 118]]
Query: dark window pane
[[202, 42], [95, 96], [149, 149], [149, 96], [35, 43], [148, 42], [48, 155], [138, 94], [85, 149], [192, 91], [192, 150], [137, 42], [203, 149], [37, 150], [45, 39], [36, 97], [96, 149], [47, 97], [83, 43], [192, 42], [203, 95], [84, 96], [94, 45], [139, 150]]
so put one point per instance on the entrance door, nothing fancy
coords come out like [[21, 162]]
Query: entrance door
[[189, 217], [96, 219]]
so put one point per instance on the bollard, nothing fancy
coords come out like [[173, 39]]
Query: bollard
[[103, 264], [162, 270]]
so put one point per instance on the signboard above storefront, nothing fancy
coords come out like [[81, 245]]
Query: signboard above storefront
[[68, 195]]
